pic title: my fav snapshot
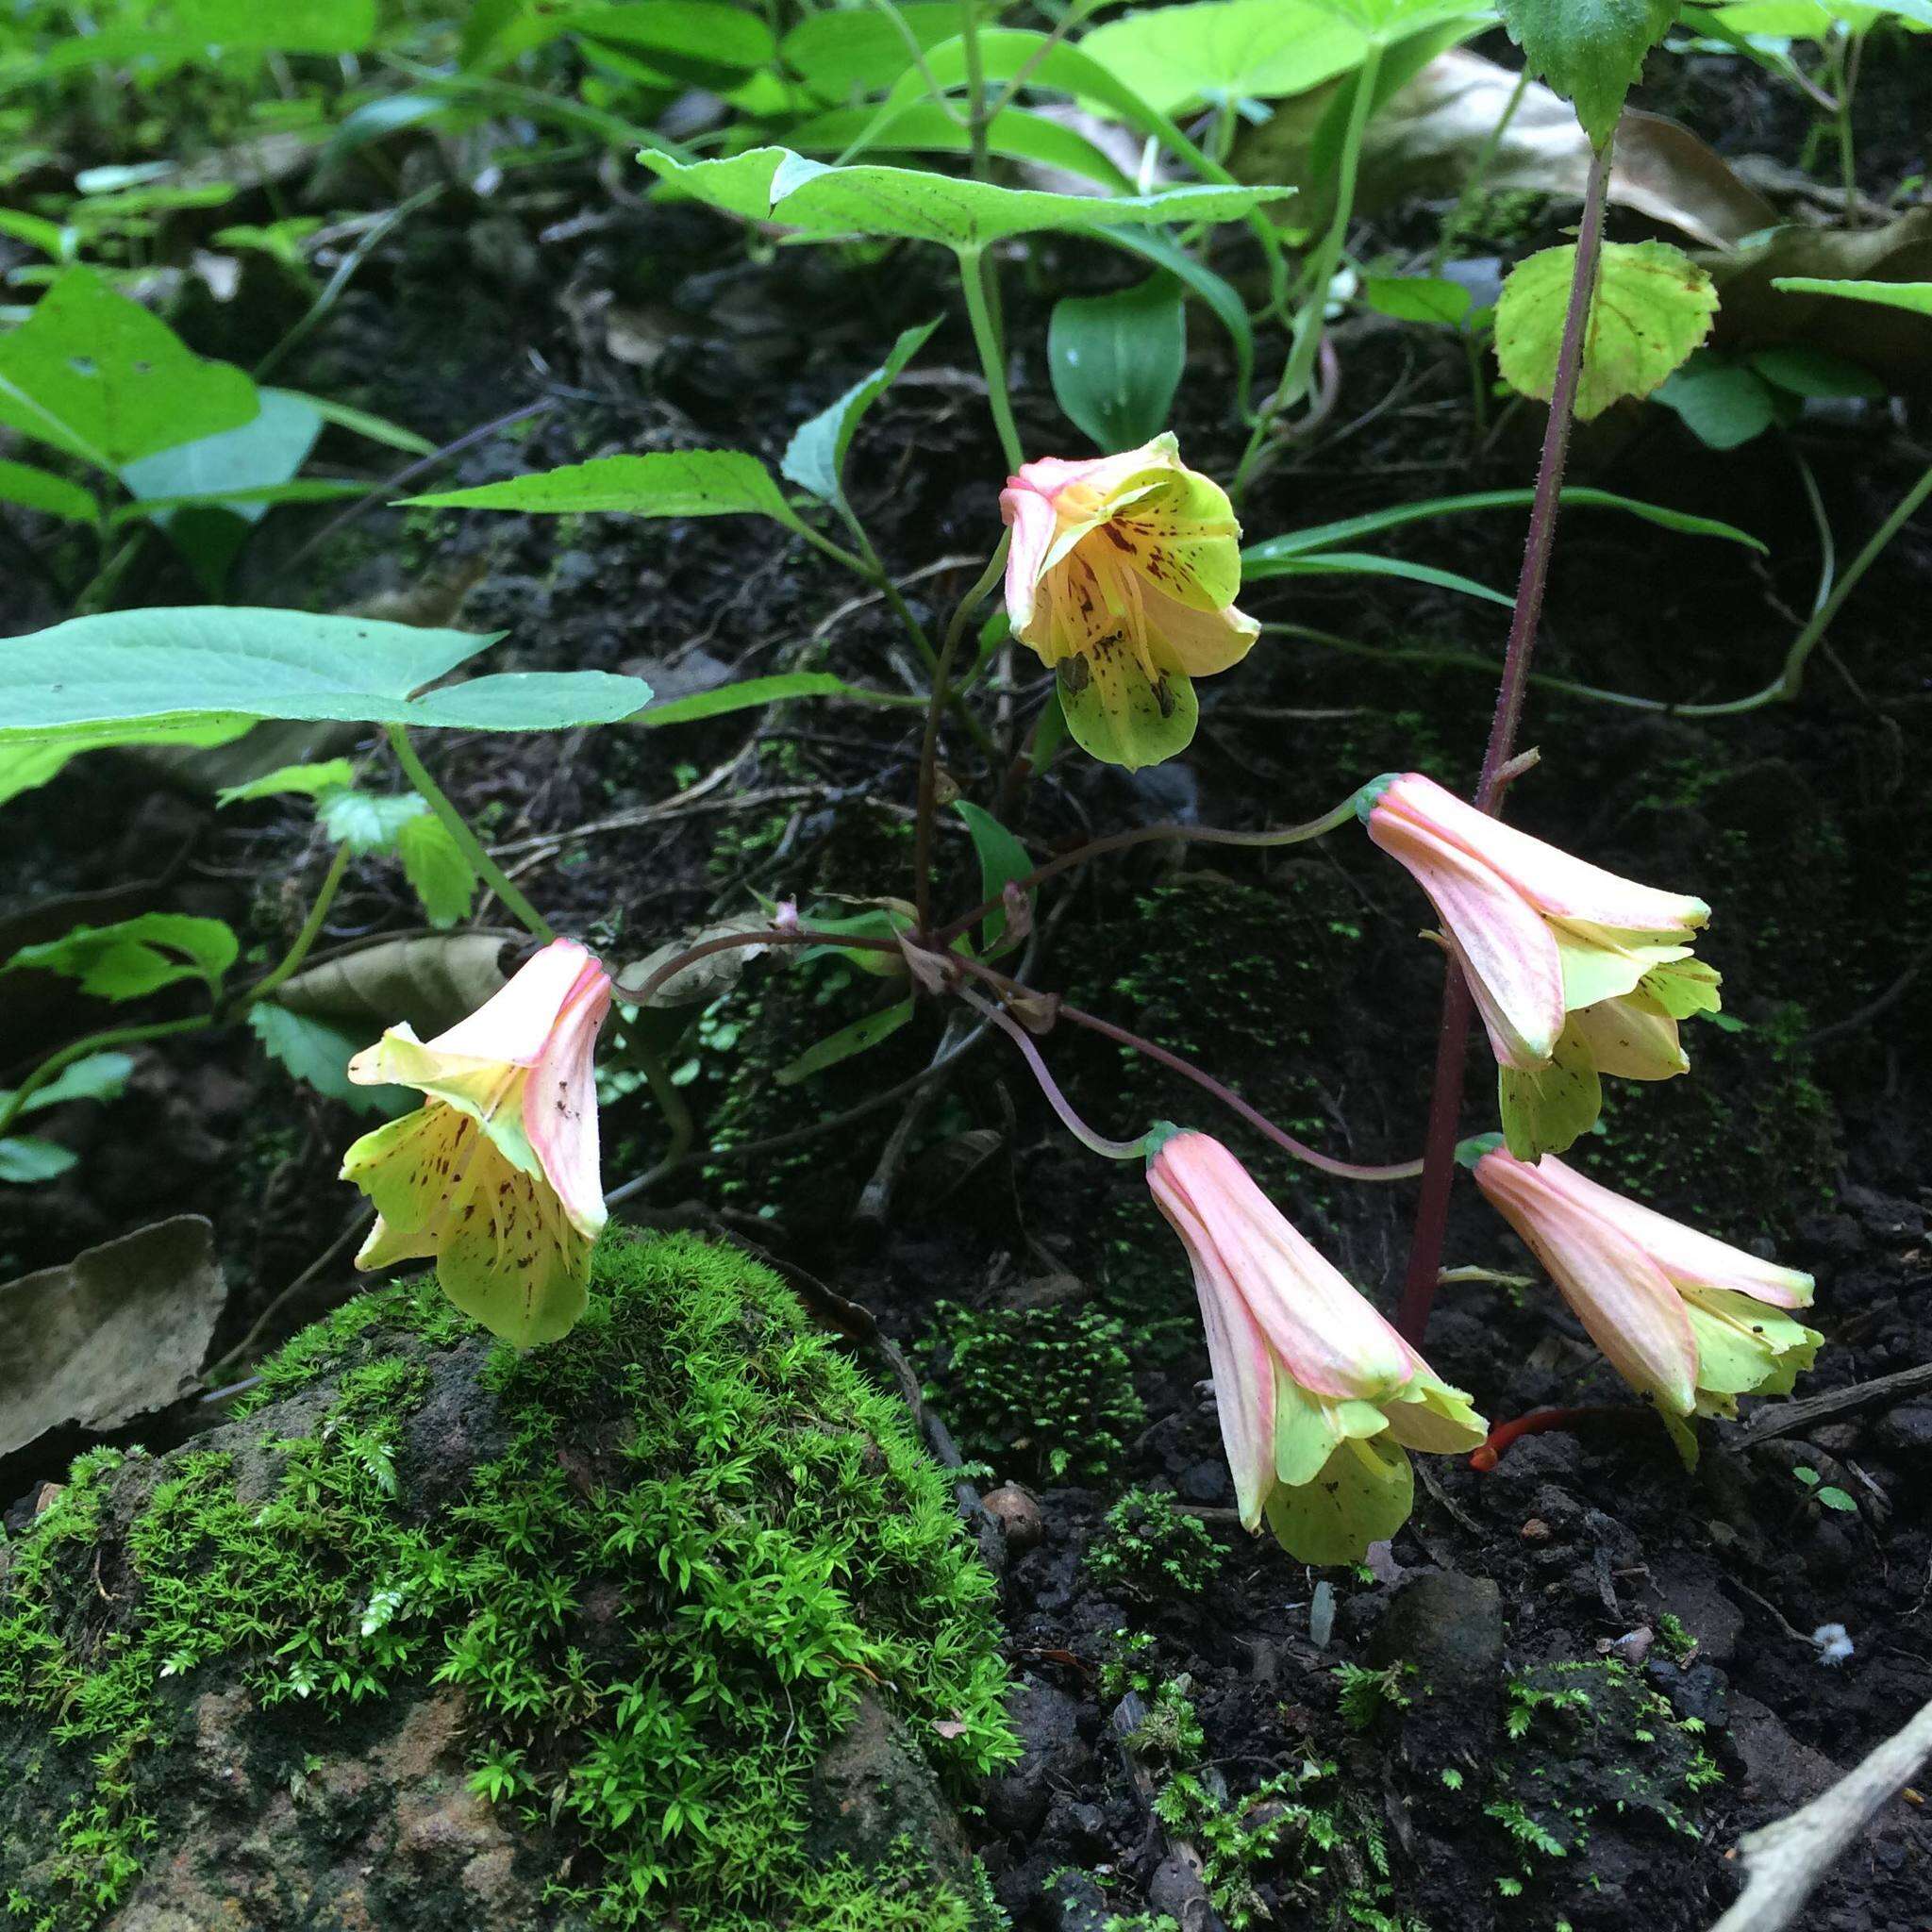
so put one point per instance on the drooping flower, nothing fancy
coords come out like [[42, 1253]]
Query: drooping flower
[[1319, 1398], [1575, 971], [1123, 574], [497, 1175], [1689, 1321]]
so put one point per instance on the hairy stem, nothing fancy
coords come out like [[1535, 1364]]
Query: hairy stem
[[1451, 1038]]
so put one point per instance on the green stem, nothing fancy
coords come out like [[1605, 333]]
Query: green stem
[[1309, 318], [14, 1104], [930, 745], [976, 116], [1478, 172], [305, 939], [975, 273], [468, 843]]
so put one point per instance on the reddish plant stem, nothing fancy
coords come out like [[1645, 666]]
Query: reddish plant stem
[[1539, 1420], [1451, 1038]]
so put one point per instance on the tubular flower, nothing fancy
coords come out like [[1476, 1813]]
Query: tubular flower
[[1575, 971], [1689, 1321], [1319, 1397], [1121, 575], [497, 1176]]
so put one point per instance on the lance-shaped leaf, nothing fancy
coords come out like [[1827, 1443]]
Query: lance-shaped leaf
[[774, 184], [815, 457], [665, 483]]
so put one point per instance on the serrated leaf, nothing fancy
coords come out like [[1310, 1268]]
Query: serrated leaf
[[856, 1039], [815, 457], [317, 1052], [39, 489], [1116, 360], [1653, 305], [87, 681], [135, 957], [437, 868], [94, 375], [774, 184], [299, 781], [368, 821], [1590, 51], [665, 483]]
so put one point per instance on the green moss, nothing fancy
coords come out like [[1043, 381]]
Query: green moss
[[697, 1531], [1152, 1548], [1049, 1390]]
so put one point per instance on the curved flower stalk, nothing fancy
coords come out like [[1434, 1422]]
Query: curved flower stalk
[[1319, 1398], [1576, 971], [1692, 1323], [1122, 576], [497, 1176]]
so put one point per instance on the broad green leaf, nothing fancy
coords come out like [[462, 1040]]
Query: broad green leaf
[[1116, 360], [1363, 1495], [666, 483], [225, 470], [1220, 294], [1816, 19], [25, 1160], [842, 1045], [287, 26], [1544, 1110], [842, 54], [367, 822], [815, 457], [299, 781], [1653, 305], [1800, 369], [135, 957], [438, 869], [774, 184], [1179, 57], [99, 1076], [1590, 51], [39, 489], [1002, 860], [95, 375], [1916, 297], [85, 682], [25, 766], [1359, 563], [1418, 298], [691, 38], [1723, 403], [924, 127], [1319, 537], [750, 692], [318, 1051]]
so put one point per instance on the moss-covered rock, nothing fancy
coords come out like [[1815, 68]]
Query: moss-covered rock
[[443, 1636]]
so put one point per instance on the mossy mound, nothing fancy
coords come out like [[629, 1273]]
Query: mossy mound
[[642, 1623]]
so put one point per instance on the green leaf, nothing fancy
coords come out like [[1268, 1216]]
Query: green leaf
[[666, 483], [815, 457], [135, 957], [53, 496], [1544, 1110], [855, 1038], [750, 692], [690, 40], [1360, 563], [1723, 403], [85, 682], [774, 184], [360, 422], [1802, 371], [1116, 360], [229, 467], [1317, 537], [301, 781], [368, 821], [26, 765], [438, 869], [1914, 296], [1418, 299], [1002, 859], [1653, 305], [96, 375], [1220, 294], [840, 53], [99, 1076], [25, 1158], [317, 1053], [235, 503], [1180, 57], [1590, 51], [50, 238], [1835, 1498], [287, 26], [924, 127]]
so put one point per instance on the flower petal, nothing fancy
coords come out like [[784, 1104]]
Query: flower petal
[[1431, 1416], [409, 1169], [510, 1258], [1119, 712], [560, 1105], [1363, 1496], [1182, 537], [1199, 642], [1631, 1311], [1031, 518], [514, 1024], [1632, 1038]]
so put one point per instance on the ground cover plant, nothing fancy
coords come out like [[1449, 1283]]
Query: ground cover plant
[[958, 643]]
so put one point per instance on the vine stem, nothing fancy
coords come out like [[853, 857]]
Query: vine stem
[[1451, 1038], [930, 745], [470, 846]]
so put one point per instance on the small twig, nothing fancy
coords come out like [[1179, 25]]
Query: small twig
[[1785, 1418]]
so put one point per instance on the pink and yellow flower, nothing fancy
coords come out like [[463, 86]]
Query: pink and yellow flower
[[497, 1176], [1575, 971], [1319, 1397], [1689, 1321], [1121, 575]]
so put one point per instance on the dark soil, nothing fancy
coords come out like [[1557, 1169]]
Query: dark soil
[[1803, 1130]]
